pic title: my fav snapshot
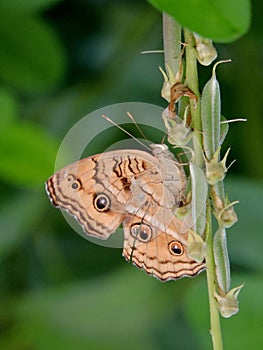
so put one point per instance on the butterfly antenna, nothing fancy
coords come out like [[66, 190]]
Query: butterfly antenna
[[140, 130], [125, 131], [136, 125]]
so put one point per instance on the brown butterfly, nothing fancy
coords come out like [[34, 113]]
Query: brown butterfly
[[138, 189]]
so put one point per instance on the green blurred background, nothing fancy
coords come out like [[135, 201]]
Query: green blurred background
[[60, 60]]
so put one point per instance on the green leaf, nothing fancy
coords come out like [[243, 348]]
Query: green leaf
[[27, 6], [31, 56], [220, 20], [27, 155]]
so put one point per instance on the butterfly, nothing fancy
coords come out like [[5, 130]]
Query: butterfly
[[139, 190]]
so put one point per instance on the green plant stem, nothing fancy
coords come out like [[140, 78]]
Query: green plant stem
[[191, 80], [215, 329], [172, 47]]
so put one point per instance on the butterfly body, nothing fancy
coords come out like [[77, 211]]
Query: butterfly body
[[139, 190]]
